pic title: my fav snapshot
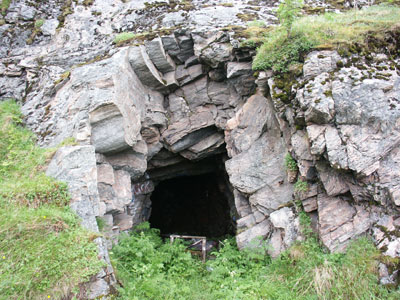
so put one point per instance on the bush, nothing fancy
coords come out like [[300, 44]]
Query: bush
[[279, 51], [152, 269]]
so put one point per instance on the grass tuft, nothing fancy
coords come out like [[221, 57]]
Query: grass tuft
[[123, 37]]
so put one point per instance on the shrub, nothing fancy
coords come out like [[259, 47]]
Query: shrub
[[287, 12], [152, 269], [279, 51]]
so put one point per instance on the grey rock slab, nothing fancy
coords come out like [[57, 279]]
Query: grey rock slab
[[261, 166], [301, 145], [207, 146], [105, 174], [249, 123], [157, 54], [186, 75], [196, 93], [132, 162], [316, 135], [108, 134], [334, 181], [252, 236], [144, 68], [286, 220], [76, 165], [339, 222], [318, 62], [316, 99], [337, 152], [241, 204], [49, 27], [235, 69], [203, 118]]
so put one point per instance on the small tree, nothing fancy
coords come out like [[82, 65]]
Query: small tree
[[287, 12]]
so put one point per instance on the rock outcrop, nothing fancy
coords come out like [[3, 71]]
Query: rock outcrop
[[160, 105]]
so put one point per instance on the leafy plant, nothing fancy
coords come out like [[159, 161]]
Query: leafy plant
[[290, 163], [151, 269], [39, 23], [287, 12], [301, 186]]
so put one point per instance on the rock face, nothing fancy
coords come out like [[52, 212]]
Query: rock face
[[165, 104]]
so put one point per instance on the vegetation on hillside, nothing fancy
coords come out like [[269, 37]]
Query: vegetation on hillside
[[286, 44], [151, 269], [44, 252]]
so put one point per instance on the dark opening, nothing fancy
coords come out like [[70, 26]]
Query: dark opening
[[192, 205]]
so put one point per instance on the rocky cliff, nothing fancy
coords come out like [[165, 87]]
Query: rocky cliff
[[182, 90]]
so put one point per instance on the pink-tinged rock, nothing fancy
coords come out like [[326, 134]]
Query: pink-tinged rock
[[105, 174], [339, 222]]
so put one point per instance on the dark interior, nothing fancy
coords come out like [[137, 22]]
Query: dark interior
[[192, 205]]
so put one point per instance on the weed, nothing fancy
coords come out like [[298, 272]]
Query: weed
[[151, 269], [39, 23], [301, 186], [290, 163]]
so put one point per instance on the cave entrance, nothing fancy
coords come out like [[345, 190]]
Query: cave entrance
[[193, 205]]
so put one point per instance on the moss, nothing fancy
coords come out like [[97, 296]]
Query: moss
[[255, 8], [247, 17], [309, 10], [63, 77], [284, 82], [87, 3], [227, 4], [328, 93], [339, 64], [65, 11]]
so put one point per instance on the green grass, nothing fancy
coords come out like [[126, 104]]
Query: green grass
[[151, 269], [123, 37], [5, 4], [22, 164], [43, 249], [326, 31]]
